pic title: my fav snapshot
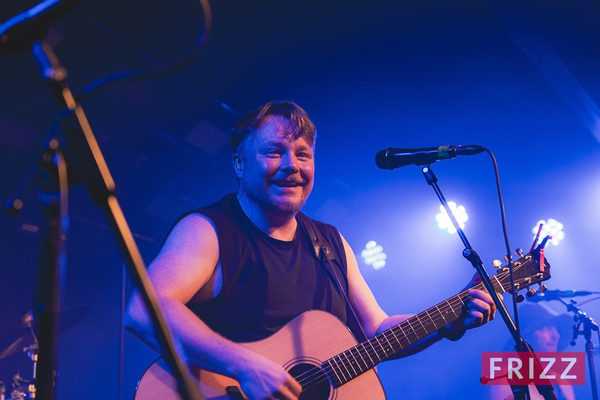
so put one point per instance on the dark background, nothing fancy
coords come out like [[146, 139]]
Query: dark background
[[520, 78]]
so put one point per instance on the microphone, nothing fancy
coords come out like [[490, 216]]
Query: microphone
[[395, 158], [22, 30], [559, 294]]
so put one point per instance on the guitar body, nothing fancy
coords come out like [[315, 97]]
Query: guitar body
[[299, 346]]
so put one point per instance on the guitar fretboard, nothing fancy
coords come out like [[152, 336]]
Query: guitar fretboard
[[364, 356]]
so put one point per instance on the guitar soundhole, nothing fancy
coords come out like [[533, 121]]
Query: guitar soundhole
[[315, 384]]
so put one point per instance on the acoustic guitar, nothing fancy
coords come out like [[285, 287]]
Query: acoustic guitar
[[320, 352]]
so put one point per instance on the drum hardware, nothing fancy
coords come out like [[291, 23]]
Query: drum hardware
[[23, 389]]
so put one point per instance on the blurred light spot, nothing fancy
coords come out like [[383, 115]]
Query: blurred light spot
[[29, 228], [551, 227], [208, 137], [373, 255], [444, 222]]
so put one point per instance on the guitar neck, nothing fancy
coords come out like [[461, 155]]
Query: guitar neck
[[364, 356]]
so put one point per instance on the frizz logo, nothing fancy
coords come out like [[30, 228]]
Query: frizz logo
[[554, 368]]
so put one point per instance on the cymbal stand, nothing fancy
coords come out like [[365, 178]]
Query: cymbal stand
[[32, 353], [589, 325]]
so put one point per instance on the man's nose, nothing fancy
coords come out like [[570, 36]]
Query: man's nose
[[289, 163]]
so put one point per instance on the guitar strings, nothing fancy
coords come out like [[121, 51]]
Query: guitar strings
[[331, 367], [320, 377]]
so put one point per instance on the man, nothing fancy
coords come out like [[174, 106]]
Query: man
[[238, 270]]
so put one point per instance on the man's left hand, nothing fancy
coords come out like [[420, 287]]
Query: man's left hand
[[480, 310]]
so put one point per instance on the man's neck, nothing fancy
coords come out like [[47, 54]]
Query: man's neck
[[278, 225]]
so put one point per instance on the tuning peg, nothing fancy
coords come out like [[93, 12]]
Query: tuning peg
[[543, 244], [531, 292], [520, 298], [519, 252], [542, 288], [496, 263]]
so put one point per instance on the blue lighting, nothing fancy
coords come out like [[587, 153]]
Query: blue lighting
[[550, 227], [444, 222], [373, 255]]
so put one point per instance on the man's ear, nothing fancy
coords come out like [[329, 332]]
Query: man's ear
[[238, 165]]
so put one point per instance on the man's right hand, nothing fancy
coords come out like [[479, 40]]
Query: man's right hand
[[265, 379]]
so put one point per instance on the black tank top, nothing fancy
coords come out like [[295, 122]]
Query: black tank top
[[267, 282]]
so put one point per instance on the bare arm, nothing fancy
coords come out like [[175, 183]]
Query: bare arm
[[374, 320], [187, 267]]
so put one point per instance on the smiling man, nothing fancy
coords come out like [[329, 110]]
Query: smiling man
[[274, 163], [241, 269]]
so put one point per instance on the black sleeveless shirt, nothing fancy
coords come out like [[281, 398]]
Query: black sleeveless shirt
[[267, 282]]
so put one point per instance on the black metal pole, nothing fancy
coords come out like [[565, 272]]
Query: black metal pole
[[51, 265], [589, 325], [87, 164], [520, 392]]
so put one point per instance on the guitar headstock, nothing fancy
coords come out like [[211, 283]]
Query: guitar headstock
[[527, 271]]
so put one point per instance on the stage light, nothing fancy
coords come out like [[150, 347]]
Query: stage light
[[551, 227], [373, 255], [444, 221]]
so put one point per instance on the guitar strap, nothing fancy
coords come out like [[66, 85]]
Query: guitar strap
[[323, 253]]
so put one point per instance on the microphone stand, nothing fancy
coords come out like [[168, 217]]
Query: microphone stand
[[520, 392], [80, 153], [85, 157], [589, 325]]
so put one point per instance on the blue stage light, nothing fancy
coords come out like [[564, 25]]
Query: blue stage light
[[551, 227], [444, 221], [373, 255]]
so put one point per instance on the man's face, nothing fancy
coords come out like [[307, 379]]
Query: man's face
[[277, 171]]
